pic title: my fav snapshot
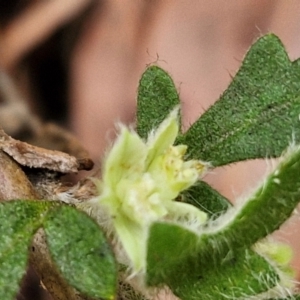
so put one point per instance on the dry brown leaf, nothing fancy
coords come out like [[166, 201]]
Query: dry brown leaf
[[36, 157], [14, 183]]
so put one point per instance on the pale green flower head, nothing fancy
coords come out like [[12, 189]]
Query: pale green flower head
[[141, 180]]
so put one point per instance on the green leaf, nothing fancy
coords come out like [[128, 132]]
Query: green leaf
[[168, 246], [157, 97], [81, 252], [203, 196], [19, 221], [270, 206], [177, 264], [245, 274], [226, 238], [257, 116]]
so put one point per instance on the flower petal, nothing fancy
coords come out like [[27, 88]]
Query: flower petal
[[162, 138], [126, 157], [133, 238]]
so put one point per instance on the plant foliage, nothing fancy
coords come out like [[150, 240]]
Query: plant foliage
[[76, 244], [256, 117]]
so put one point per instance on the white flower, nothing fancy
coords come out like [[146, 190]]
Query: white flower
[[140, 183]]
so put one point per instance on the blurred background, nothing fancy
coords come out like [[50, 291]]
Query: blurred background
[[78, 63]]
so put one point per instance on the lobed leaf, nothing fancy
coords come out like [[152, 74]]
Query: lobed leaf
[[257, 116]]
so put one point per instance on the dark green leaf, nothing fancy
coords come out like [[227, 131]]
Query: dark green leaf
[[270, 206], [168, 245], [157, 96], [257, 116], [177, 264], [19, 221], [203, 196], [81, 252]]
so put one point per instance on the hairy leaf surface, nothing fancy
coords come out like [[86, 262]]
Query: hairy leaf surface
[[157, 97], [257, 116], [81, 252]]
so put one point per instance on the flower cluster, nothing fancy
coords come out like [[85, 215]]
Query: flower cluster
[[141, 179]]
